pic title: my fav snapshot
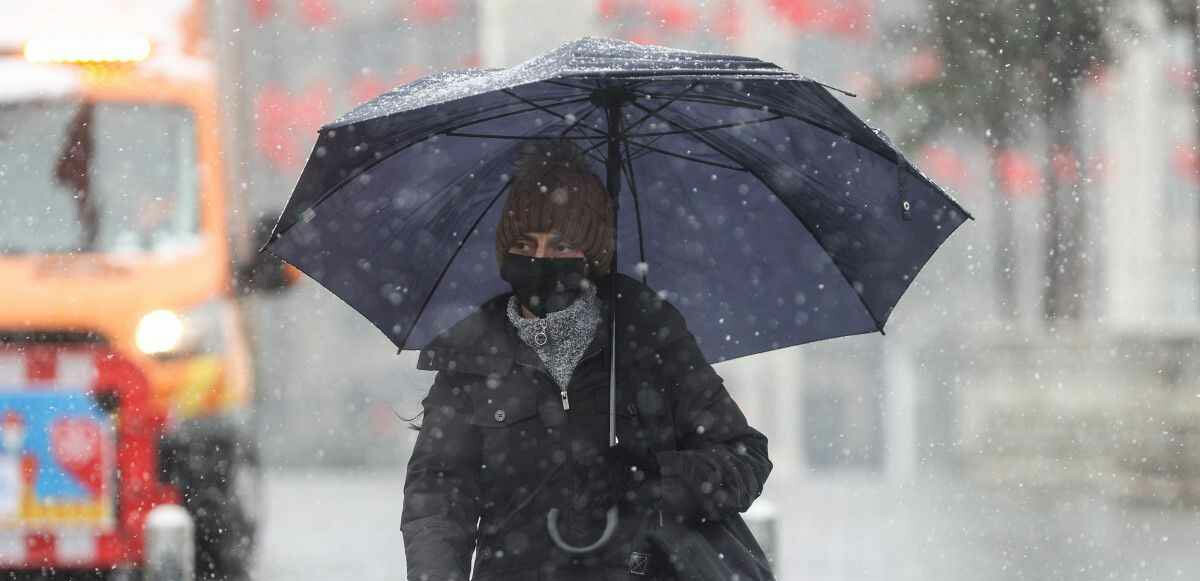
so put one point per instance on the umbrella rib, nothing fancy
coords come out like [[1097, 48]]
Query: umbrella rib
[[384, 157], [467, 172], [637, 210], [562, 83], [634, 85], [685, 129], [521, 137], [730, 103], [890, 153], [473, 227], [588, 152], [709, 127], [645, 152], [861, 299], [574, 125], [658, 135], [579, 120], [533, 107], [510, 93], [435, 196], [559, 83], [446, 268], [670, 101], [688, 157], [562, 135]]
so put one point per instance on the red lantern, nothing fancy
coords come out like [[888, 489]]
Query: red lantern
[[844, 18], [729, 24], [428, 11], [1186, 161], [1019, 176], [281, 118], [316, 13], [1065, 165], [673, 15], [262, 10], [944, 165]]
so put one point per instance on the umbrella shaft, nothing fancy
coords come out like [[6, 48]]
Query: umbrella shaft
[[613, 164]]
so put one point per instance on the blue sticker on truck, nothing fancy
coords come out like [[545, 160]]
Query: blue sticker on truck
[[57, 459]]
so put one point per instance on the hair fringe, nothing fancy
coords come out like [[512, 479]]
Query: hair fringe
[[554, 188]]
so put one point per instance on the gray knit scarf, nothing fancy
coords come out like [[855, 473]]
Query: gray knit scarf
[[562, 336]]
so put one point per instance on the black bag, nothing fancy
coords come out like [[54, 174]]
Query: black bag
[[714, 550], [721, 550]]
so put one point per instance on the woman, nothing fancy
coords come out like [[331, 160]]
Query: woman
[[516, 423]]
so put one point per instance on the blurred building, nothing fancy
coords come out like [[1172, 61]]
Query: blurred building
[[1109, 404], [332, 390]]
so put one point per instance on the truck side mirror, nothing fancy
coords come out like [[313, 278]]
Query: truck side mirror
[[263, 272]]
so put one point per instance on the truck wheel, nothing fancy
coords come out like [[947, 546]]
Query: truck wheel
[[220, 479], [227, 519]]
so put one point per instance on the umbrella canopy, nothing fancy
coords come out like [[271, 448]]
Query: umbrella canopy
[[750, 197]]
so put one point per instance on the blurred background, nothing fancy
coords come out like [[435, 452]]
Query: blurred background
[[1033, 411]]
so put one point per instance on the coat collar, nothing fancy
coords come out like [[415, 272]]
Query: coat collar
[[485, 342]]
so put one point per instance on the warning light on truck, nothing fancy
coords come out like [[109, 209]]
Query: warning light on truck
[[88, 48]]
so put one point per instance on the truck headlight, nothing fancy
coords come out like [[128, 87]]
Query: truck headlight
[[159, 332], [166, 333]]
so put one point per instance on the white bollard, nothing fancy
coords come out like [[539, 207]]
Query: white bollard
[[170, 544]]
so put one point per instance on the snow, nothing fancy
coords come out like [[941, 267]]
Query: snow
[[581, 57]]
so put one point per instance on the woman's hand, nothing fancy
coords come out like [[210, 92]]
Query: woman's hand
[[642, 484]]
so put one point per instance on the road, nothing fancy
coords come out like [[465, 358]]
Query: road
[[332, 525]]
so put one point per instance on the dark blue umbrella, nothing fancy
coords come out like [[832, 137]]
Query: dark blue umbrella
[[748, 196]]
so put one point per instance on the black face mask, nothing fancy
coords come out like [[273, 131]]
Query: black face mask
[[544, 285]]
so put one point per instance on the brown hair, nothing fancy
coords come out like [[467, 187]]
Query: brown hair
[[552, 189]]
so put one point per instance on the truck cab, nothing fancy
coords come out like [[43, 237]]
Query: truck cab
[[126, 377]]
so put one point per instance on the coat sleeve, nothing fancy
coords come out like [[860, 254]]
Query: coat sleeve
[[721, 463], [441, 489]]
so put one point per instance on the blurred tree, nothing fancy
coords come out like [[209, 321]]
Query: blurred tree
[[999, 67], [1074, 47]]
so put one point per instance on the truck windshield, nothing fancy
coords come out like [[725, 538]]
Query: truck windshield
[[96, 177]]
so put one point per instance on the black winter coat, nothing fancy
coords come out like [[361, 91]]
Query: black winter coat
[[496, 450]]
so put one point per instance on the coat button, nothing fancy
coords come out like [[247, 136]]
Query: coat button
[[500, 415]]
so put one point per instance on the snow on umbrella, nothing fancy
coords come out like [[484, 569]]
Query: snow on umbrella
[[748, 196]]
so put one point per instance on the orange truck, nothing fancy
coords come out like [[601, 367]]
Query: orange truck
[[126, 376]]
